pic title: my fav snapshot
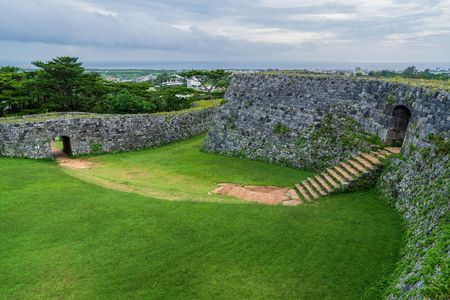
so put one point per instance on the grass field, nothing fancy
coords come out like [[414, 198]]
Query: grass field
[[180, 171], [61, 237]]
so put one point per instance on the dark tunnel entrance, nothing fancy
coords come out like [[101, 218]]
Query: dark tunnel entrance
[[61, 146], [398, 126]]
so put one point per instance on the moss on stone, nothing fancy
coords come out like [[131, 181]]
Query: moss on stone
[[441, 142], [390, 99], [280, 129], [336, 137]]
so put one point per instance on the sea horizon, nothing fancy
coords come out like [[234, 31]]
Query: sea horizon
[[183, 65]]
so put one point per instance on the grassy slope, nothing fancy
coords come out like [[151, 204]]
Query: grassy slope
[[64, 238], [433, 84], [198, 105], [181, 172]]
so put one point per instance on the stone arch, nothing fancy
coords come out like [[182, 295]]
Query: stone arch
[[61, 146], [398, 125]]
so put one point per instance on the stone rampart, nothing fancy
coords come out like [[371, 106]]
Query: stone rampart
[[89, 133], [270, 117]]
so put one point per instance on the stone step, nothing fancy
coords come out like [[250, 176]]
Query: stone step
[[343, 173], [379, 154], [364, 162], [338, 177], [371, 158], [292, 194], [385, 152], [349, 169], [317, 186], [303, 192], [394, 150], [322, 182], [310, 189], [360, 167], [330, 180]]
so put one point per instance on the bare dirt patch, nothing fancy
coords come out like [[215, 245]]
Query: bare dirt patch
[[65, 161], [270, 195], [74, 163]]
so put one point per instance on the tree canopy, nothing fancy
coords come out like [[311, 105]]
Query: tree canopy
[[63, 84], [209, 79]]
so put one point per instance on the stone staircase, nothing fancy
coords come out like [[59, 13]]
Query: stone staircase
[[339, 177]]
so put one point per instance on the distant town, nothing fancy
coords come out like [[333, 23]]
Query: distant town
[[172, 78]]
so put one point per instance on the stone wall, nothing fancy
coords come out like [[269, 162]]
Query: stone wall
[[27, 137], [267, 117], [273, 117]]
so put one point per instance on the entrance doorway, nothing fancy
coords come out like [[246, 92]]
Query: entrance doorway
[[61, 146], [398, 126]]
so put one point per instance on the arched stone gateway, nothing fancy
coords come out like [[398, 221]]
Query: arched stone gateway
[[81, 133], [61, 146], [294, 119], [398, 126]]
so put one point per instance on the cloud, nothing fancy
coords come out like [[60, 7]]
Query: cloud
[[85, 24], [321, 17], [231, 29]]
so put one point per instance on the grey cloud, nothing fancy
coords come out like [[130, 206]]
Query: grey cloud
[[67, 25], [154, 26]]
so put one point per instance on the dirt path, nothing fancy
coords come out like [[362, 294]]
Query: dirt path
[[269, 195], [74, 163], [65, 161]]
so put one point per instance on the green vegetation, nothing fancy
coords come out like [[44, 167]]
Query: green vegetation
[[131, 74], [180, 171], [281, 129], [411, 76], [410, 72], [210, 79], [58, 144], [441, 142], [45, 117], [337, 136], [390, 99], [196, 105], [64, 238], [432, 84], [63, 85], [427, 248]]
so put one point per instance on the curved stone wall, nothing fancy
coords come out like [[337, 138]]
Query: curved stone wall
[[88, 133], [271, 117], [256, 104]]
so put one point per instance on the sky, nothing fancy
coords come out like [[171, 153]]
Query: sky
[[281, 31]]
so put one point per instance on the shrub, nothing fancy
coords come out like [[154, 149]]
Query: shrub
[[125, 102]]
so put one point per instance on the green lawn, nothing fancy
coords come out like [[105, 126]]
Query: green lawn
[[61, 237], [180, 171]]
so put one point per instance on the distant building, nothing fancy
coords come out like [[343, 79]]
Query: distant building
[[173, 83], [177, 77], [193, 83], [183, 96], [146, 78], [112, 78]]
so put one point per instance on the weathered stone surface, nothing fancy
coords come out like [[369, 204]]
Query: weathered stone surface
[[107, 133], [270, 117], [419, 187]]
